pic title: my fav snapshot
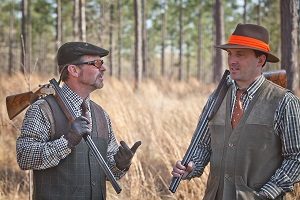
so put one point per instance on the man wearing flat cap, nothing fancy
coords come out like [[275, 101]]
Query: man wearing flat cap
[[253, 141], [63, 165]]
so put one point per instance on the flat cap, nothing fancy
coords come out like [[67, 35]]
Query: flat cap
[[71, 51]]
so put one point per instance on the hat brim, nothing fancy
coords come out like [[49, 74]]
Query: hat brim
[[270, 57]]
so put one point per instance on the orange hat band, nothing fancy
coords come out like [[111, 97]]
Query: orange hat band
[[247, 41]]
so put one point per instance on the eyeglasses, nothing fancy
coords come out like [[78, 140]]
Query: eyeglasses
[[96, 63]]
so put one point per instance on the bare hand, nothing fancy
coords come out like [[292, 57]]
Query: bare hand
[[181, 170]]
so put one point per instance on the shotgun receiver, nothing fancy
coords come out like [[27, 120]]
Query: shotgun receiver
[[278, 77]]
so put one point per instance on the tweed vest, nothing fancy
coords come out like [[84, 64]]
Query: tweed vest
[[244, 159], [78, 176]]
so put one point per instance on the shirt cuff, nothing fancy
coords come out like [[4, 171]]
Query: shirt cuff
[[272, 190], [189, 176], [65, 149]]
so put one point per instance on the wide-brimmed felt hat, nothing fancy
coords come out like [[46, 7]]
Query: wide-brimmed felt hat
[[250, 36], [72, 51]]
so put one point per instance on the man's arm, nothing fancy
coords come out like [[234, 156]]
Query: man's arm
[[202, 153], [287, 125], [34, 150], [112, 150]]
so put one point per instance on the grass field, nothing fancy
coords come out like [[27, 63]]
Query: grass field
[[162, 114]]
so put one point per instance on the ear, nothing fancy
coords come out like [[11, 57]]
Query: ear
[[262, 59], [73, 70]]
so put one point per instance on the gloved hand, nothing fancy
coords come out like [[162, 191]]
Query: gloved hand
[[125, 154], [79, 128]]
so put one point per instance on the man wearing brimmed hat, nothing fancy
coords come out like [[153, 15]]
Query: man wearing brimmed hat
[[63, 165], [252, 143]]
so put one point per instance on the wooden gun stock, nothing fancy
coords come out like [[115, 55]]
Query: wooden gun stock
[[15, 104], [278, 77]]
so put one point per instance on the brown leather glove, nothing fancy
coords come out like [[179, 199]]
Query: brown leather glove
[[79, 128], [125, 154]]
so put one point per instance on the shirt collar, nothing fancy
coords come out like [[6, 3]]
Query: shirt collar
[[251, 90], [73, 97]]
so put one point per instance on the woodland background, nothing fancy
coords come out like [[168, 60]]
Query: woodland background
[[162, 67]]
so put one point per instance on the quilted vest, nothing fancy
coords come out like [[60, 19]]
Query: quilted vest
[[244, 159]]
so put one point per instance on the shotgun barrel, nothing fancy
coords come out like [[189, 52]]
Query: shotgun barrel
[[220, 91]]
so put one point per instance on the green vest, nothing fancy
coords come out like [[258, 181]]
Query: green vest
[[78, 176], [244, 159]]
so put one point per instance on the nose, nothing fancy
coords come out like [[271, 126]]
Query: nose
[[103, 67], [232, 61]]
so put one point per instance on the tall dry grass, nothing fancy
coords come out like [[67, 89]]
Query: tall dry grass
[[162, 114]]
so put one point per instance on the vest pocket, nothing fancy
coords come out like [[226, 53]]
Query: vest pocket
[[243, 192]]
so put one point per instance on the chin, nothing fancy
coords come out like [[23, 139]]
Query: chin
[[99, 86]]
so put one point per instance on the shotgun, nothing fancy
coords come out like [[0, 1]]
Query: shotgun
[[218, 96], [61, 100], [278, 77]]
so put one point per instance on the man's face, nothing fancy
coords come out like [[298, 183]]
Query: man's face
[[91, 75], [244, 66]]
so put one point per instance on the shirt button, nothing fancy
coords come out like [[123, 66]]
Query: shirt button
[[93, 183]]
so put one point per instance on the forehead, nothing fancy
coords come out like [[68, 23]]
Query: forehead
[[240, 51]]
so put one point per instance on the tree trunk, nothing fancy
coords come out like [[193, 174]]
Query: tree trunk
[[119, 38], [180, 42], [111, 8], [42, 53], [163, 33], [102, 23], [11, 39], [23, 35], [299, 39], [138, 44], [219, 38], [289, 43], [258, 12], [199, 46], [188, 56], [76, 20], [82, 21], [245, 12], [26, 37], [144, 38], [172, 67], [58, 31]]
